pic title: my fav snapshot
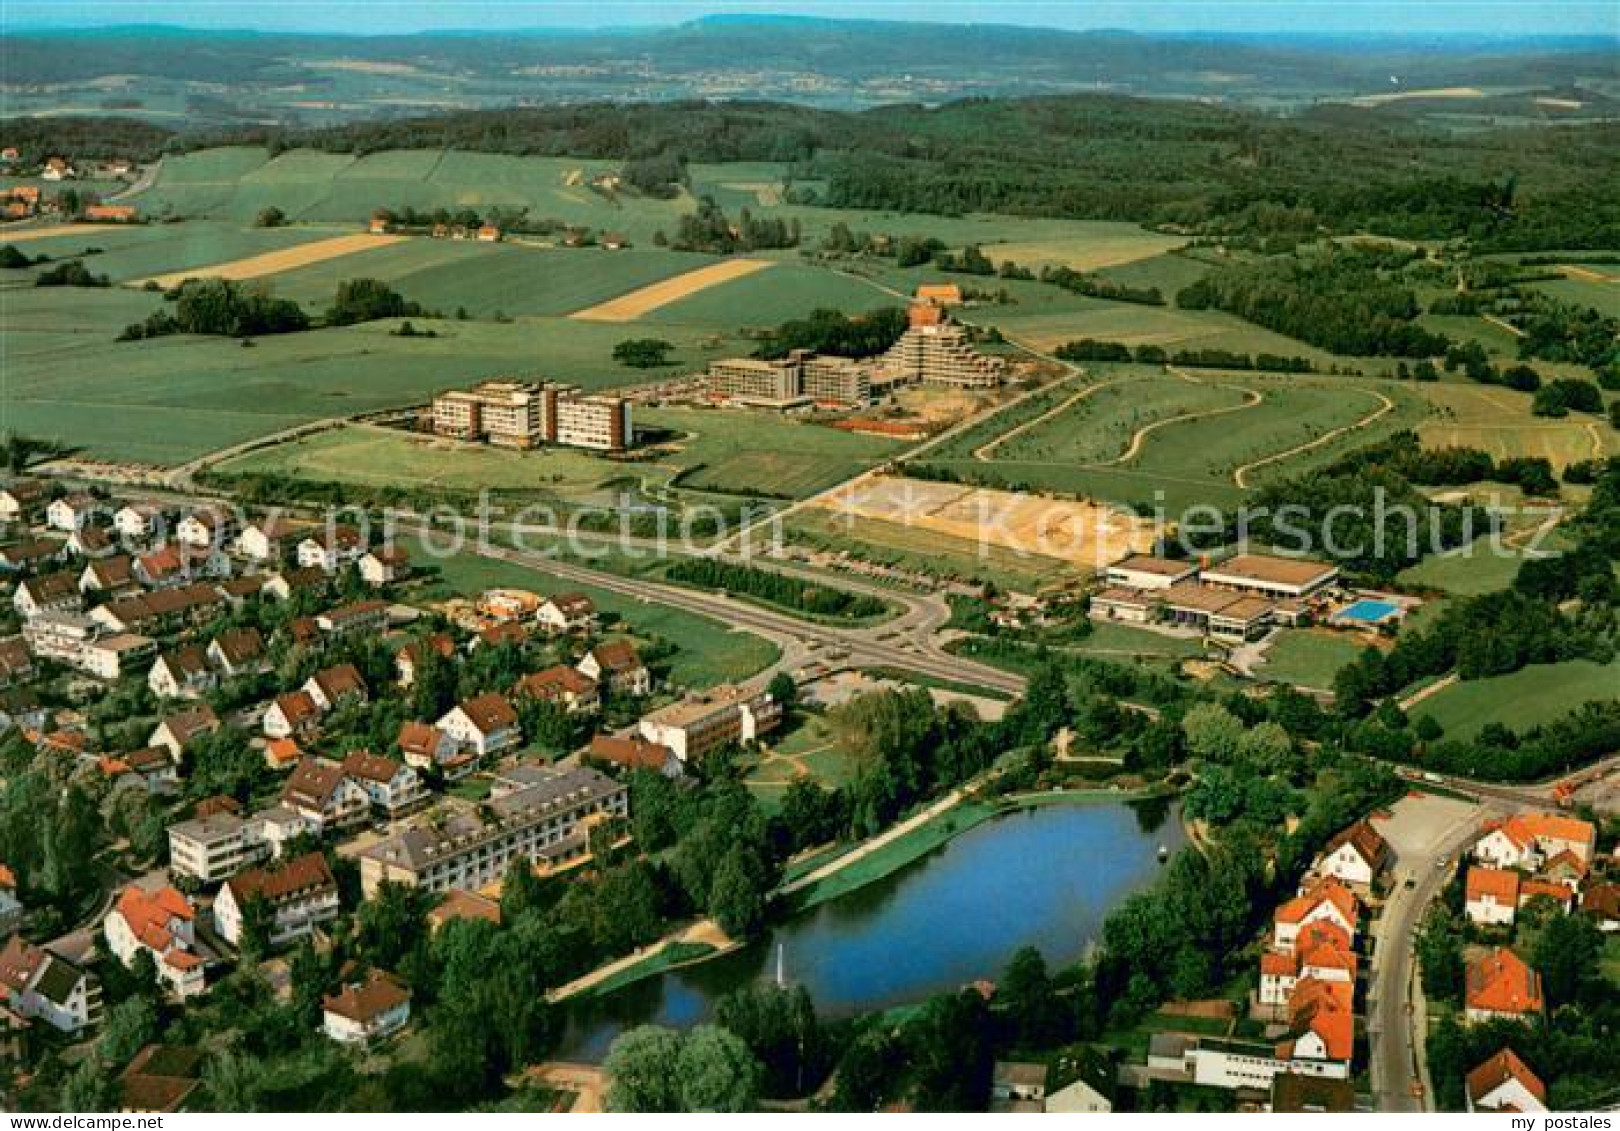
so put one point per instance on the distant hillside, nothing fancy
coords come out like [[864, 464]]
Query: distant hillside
[[177, 75]]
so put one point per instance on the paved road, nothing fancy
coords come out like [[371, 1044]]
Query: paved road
[[1394, 1046]]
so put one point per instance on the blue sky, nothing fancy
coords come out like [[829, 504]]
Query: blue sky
[[1506, 17]]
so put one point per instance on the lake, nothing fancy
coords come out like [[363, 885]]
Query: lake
[[1044, 876]]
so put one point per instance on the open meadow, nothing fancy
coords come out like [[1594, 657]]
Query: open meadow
[[1498, 420], [1532, 695]]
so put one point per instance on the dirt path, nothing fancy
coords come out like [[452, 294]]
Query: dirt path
[[705, 931], [1423, 693], [1502, 324], [1241, 476], [275, 262], [1252, 397], [1586, 273], [629, 307]]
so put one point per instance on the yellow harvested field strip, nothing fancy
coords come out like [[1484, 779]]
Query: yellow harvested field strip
[[9, 235], [275, 262], [1575, 271], [629, 307]]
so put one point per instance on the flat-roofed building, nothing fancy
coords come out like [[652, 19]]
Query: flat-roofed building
[[1145, 571], [772, 383], [1270, 576], [1133, 606], [599, 422], [215, 847], [526, 414], [1222, 613], [470, 846], [836, 380]]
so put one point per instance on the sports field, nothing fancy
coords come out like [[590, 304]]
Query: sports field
[[275, 262], [645, 300]]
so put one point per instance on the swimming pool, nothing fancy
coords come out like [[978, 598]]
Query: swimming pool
[[1367, 611]]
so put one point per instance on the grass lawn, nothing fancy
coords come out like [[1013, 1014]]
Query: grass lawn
[[1536, 694], [744, 451], [1464, 574], [709, 652], [1498, 420], [1308, 657], [675, 954], [1116, 641]]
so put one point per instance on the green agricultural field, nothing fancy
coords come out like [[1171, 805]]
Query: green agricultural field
[[1521, 700], [170, 399], [373, 456], [1465, 574], [135, 251], [709, 652], [486, 280], [1308, 657], [741, 452], [767, 298], [1498, 420]]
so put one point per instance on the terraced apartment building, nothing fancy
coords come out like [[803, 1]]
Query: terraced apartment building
[[527, 414]]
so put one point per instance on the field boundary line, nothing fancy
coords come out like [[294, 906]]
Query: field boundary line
[[1240, 475]]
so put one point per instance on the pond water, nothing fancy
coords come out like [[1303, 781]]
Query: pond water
[[1045, 876]]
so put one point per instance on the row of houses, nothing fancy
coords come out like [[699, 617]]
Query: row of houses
[[1532, 856]]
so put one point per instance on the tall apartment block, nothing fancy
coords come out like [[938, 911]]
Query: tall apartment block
[[798, 379], [524, 414]]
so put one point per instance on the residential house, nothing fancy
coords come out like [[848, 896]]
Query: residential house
[[208, 528], [1505, 1084], [1500, 984], [409, 658], [282, 754], [113, 657], [269, 539], [567, 612], [634, 753], [392, 787], [616, 666], [237, 652], [1355, 856], [1327, 901], [296, 896], [1321, 1027], [1081, 1082], [90, 541], [108, 577], [1524, 840], [331, 549], [162, 924], [160, 1079], [141, 521], [22, 499], [485, 724], [1322, 951], [162, 568], [1602, 903], [20, 708], [182, 674], [323, 792], [31, 554], [40, 985], [295, 714], [572, 690], [1536, 888], [385, 565], [59, 636], [289, 581], [366, 1011], [180, 730], [153, 766], [212, 847], [459, 904], [424, 746], [16, 662], [333, 687], [362, 616], [47, 593], [1296, 1093], [1017, 1086], [72, 511]]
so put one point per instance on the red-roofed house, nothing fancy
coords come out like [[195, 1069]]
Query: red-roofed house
[[485, 724], [1500, 984], [293, 714], [1524, 840], [424, 745], [1491, 896], [368, 1010], [297, 896], [1355, 856], [1326, 900], [616, 666], [161, 923], [392, 786], [1505, 1084], [1321, 1026], [569, 688]]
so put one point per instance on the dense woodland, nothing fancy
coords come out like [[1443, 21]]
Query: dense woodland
[[1232, 172]]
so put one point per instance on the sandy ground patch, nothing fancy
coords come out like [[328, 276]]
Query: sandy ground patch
[[275, 262], [629, 307], [21, 235], [1454, 92], [1417, 824], [1087, 534]]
